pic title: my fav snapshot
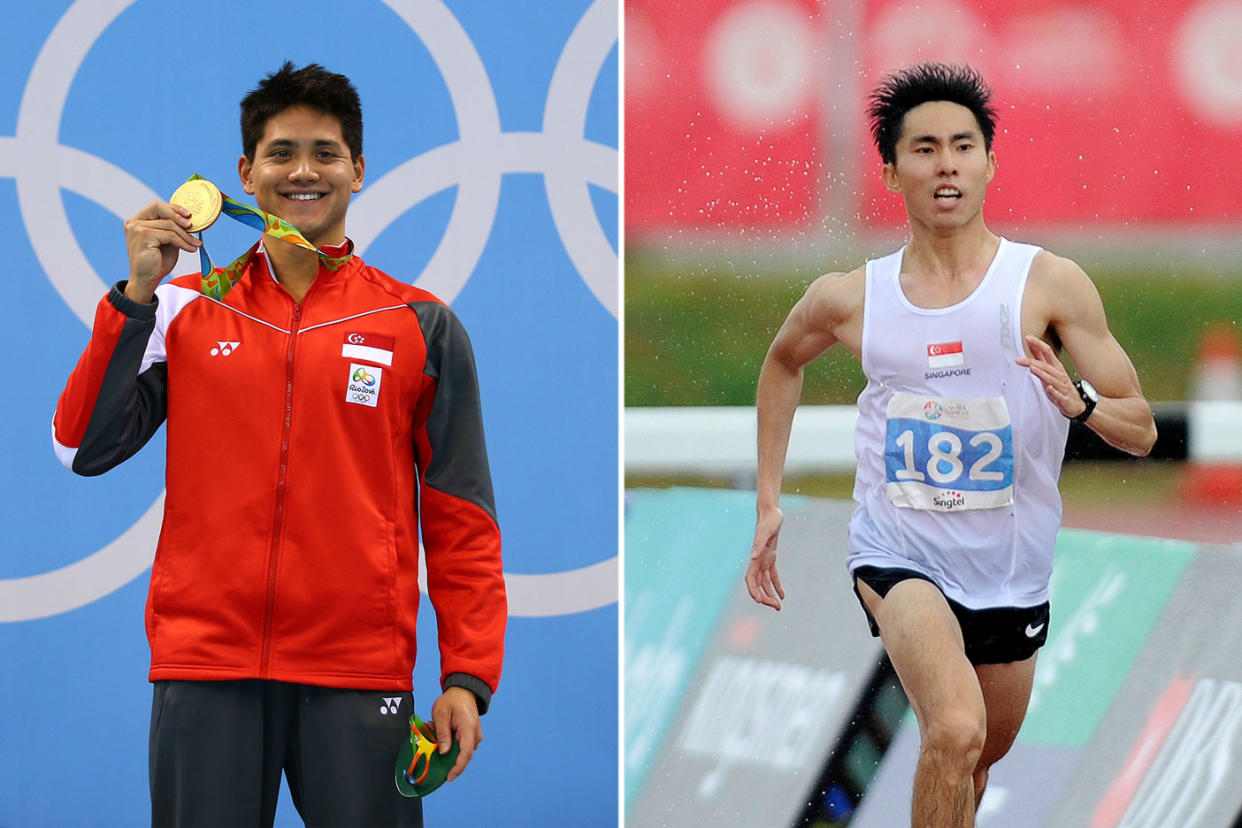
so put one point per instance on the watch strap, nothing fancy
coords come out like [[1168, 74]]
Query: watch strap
[[1089, 402]]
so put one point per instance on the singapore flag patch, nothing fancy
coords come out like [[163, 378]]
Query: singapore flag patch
[[369, 346], [363, 386], [944, 354]]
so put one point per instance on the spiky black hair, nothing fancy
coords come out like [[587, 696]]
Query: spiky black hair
[[902, 91]]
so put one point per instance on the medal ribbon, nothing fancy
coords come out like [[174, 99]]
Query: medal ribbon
[[217, 281]]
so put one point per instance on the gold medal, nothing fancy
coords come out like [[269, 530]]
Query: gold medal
[[202, 199]]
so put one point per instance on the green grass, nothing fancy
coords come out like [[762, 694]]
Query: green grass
[[699, 337]]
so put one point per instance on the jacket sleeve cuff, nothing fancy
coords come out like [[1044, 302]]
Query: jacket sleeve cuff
[[127, 306], [482, 693]]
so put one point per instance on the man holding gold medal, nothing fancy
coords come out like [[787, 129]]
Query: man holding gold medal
[[320, 414]]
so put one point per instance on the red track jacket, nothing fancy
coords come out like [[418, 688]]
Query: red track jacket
[[304, 441]]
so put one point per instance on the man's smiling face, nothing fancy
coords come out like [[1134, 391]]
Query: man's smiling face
[[302, 171]]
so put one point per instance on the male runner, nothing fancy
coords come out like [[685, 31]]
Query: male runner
[[961, 432], [320, 414]]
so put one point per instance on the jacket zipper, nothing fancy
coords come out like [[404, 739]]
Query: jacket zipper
[[278, 523]]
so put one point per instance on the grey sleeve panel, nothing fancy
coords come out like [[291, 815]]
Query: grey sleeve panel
[[132, 309], [482, 693], [130, 406], [458, 464]]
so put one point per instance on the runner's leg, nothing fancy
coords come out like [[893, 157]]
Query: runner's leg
[[1006, 692], [924, 643]]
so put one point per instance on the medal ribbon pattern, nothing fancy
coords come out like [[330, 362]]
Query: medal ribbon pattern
[[217, 281]]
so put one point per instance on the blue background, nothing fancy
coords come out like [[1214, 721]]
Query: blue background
[[157, 96]]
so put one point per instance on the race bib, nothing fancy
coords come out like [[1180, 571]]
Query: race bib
[[948, 455]]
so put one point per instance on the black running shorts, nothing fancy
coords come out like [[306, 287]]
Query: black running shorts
[[996, 635]]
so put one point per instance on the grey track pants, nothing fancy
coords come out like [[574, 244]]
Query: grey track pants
[[218, 749]]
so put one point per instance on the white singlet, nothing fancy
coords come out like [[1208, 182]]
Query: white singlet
[[959, 449]]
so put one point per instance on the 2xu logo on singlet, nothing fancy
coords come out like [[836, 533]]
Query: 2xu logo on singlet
[[948, 455]]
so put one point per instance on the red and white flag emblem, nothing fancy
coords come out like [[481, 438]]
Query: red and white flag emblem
[[369, 346], [944, 354]]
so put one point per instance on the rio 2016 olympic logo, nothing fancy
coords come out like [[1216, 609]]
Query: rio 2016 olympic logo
[[474, 163], [363, 377]]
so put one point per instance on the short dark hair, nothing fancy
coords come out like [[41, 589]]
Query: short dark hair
[[902, 91], [311, 86]]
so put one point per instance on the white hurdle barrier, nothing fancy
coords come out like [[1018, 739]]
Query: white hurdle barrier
[[721, 440]]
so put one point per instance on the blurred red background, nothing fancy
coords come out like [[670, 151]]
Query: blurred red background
[[747, 115]]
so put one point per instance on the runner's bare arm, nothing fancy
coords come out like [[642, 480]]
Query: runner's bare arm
[[812, 327], [1123, 416]]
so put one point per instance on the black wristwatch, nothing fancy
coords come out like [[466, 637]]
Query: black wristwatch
[[1089, 398]]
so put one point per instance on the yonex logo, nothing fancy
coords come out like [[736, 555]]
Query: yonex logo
[[390, 706], [224, 348]]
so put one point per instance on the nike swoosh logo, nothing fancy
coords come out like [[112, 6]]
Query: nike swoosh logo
[[1031, 632]]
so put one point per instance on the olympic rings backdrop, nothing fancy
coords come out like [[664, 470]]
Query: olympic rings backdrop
[[492, 169]]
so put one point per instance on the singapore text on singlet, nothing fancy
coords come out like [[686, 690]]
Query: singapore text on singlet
[[958, 447]]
